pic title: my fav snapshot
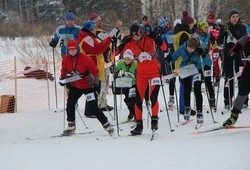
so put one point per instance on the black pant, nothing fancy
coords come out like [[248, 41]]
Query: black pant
[[231, 66], [208, 83], [187, 83], [130, 101], [74, 95]]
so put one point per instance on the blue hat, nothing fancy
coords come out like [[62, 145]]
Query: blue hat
[[89, 25], [69, 16], [163, 21]]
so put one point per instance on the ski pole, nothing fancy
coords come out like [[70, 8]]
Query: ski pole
[[114, 86], [81, 118], [165, 101], [64, 107], [177, 104], [101, 99], [54, 65]]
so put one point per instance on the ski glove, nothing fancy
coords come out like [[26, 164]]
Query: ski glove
[[52, 43], [200, 51], [92, 81], [168, 58], [153, 35]]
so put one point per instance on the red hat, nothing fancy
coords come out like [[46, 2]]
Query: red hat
[[72, 44], [186, 19], [211, 15], [94, 17]]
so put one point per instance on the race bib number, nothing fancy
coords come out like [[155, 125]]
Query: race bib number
[[207, 73], [155, 81], [131, 92], [197, 77], [144, 56], [216, 55], [90, 96]]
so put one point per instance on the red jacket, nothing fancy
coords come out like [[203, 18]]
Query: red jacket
[[146, 44], [81, 63], [94, 48]]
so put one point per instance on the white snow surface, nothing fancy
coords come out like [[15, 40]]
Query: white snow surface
[[26, 142]]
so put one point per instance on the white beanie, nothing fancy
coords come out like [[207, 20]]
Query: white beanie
[[177, 21], [128, 53]]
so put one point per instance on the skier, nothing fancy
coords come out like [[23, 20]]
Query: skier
[[205, 39], [94, 48], [77, 63], [101, 35], [164, 30], [127, 67], [145, 23], [66, 32], [228, 36], [182, 32], [244, 85], [190, 53], [143, 47]]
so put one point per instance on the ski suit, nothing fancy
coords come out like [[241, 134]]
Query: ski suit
[[148, 69]]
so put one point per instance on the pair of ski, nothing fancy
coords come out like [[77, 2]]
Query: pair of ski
[[63, 135], [183, 123], [219, 128]]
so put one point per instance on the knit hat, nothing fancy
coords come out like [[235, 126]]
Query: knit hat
[[186, 19], [163, 21], [233, 11], [94, 17], [211, 15], [72, 44], [177, 21], [128, 53], [134, 29], [193, 42], [89, 25], [203, 25], [69, 16]]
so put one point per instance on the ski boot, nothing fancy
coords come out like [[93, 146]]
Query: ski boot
[[70, 129], [130, 117], [227, 107], [138, 129], [199, 117], [212, 102], [245, 106], [187, 113], [231, 121], [171, 102], [108, 127], [154, 123]]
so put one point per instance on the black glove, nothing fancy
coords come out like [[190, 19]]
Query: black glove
[[52, 43], [116, 74], [60, 82], [168, 58], [114, 40], [225, 33], [111, 68], [153, 35], [95, 87], [200, 51]]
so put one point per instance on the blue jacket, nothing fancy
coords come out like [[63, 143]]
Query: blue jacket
[[188, 58], [65, 34], [205, 44]]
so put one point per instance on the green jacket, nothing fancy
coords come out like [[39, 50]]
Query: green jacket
[[127, 70]]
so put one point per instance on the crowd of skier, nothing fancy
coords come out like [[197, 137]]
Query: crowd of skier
[[188, 51]]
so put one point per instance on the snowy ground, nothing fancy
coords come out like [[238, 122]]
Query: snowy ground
[[26, 143]]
